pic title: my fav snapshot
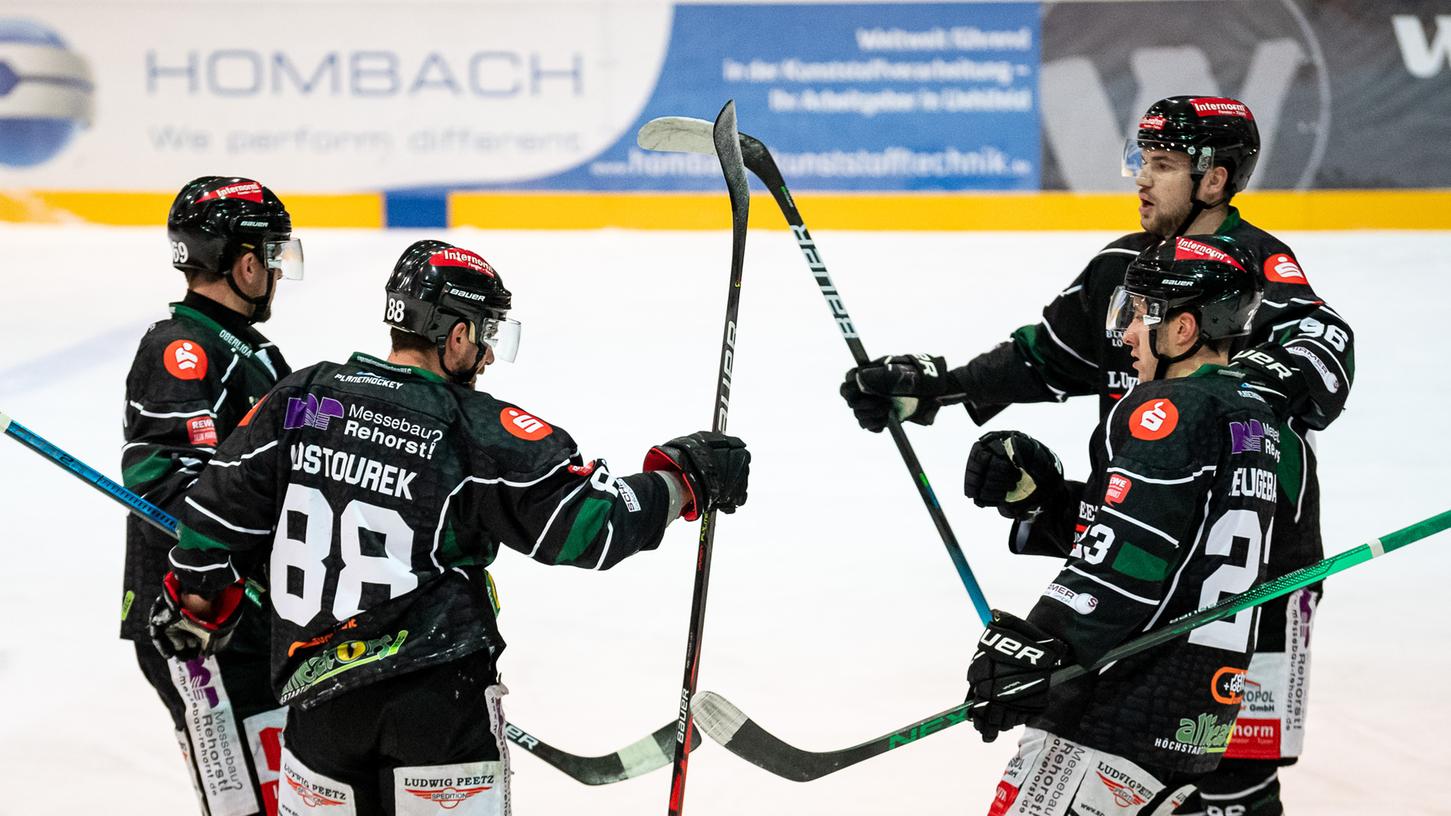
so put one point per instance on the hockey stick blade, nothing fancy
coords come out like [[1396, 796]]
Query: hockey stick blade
[[677, 134], [739, 734], [633, 760], [636, 759]]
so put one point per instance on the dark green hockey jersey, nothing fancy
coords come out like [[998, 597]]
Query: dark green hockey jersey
[[375, 495], [1176, 516], [194, 377]]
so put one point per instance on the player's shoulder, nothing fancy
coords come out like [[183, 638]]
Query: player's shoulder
[[1184, 421], [1128, 245], [518, 438], [179, 350]]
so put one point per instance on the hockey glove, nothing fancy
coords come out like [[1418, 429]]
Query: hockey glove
[[912, 386], [1008, 679], [182, 634], [1013, 472], [1295, 380], [715, 468]]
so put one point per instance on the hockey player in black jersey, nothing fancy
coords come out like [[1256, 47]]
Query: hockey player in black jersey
[[1176, 514], [1189, 156], [194, 377], [377, 493]]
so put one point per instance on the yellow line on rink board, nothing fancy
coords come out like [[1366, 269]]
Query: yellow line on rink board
[[1032, 211]]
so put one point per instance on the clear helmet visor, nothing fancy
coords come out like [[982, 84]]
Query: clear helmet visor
[[1133, 159], [1125, 307], [1133, 164], [502, 335], [285, 256]]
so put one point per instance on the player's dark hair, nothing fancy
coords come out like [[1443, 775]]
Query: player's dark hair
[[408, 341]]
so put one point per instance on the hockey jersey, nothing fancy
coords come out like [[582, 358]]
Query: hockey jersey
[[375, 496], [1177, 515], [193, 378], [1069, 353]]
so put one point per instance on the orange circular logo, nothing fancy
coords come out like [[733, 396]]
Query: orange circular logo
[[525, 426], [1154, 420], [186, 360]]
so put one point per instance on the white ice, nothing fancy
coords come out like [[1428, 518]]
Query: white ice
[[834, 613]]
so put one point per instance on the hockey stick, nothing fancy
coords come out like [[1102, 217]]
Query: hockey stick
[[633, 760], [729, 726], [728, 145], [685, 135]]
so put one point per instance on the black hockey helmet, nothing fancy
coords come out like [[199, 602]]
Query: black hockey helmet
[[1213, 130], [1212, 277], [214, 219], [436, 285]]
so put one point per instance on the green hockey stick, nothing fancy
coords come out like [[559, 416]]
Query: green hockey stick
[[729, 726]]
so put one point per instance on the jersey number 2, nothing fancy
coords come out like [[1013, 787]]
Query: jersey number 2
[[1232, 634], [293, 558]]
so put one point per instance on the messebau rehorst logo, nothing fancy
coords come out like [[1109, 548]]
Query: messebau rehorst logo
[[45, 93]]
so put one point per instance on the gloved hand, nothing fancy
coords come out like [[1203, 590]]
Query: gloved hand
[[912, 386], [1008, 678], [179, 633], [1013, 472], [715, 468]]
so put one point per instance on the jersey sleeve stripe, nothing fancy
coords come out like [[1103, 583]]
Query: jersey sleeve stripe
[[609, 537], [244, 457], [1130, 519], [1184, 562], [229, 525], [230, 366], [1118, 251], [552, 516], [1065, 347], [1191, 477], [1120, 590], [141, 409]]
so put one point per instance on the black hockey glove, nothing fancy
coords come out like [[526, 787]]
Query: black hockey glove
[[1013, 472], [1008, 679], [715, 468], [914, 386], [1311, 387], [179, 633]]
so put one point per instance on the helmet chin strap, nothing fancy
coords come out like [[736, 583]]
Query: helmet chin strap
[[1161, 367], [467, 374], [261, 306]]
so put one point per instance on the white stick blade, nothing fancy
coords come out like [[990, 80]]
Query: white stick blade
[[716, 716], [677, 134]]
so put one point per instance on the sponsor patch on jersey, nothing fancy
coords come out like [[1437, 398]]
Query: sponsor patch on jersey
[[1281, 268], [462, 259], [1332, 382], [1123, 795], [1220, 106], [246, 190], [201, 431], [310, 412], [1004, 798], [585, 469], [185, 360], [525, 426], [1081, 602], [1186, 249], [1154, 420], [1118, 489], [1228, 685]]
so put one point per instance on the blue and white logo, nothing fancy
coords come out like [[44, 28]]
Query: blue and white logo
[[45, 93]]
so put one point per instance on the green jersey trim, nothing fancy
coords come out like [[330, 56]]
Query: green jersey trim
[[593, 514], [189, 539], [367, 359]]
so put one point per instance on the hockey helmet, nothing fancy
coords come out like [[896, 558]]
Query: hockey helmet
[[1214, 131], [435, 285]]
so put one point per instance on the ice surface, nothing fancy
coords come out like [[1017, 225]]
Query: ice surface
[[834, 613]]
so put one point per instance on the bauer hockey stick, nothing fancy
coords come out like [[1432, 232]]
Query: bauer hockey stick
[[635, 759], [685, 135], [728, 148], [729, 726]]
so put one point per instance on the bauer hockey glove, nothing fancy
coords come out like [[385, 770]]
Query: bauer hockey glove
[[913, 386], [715, 468], [1013, 472], [182, 634], [1008, 679]]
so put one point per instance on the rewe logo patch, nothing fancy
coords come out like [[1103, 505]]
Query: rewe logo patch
[[1154, 420], [1283, 269], [185, 360], [525, 426], [1118, 489]]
